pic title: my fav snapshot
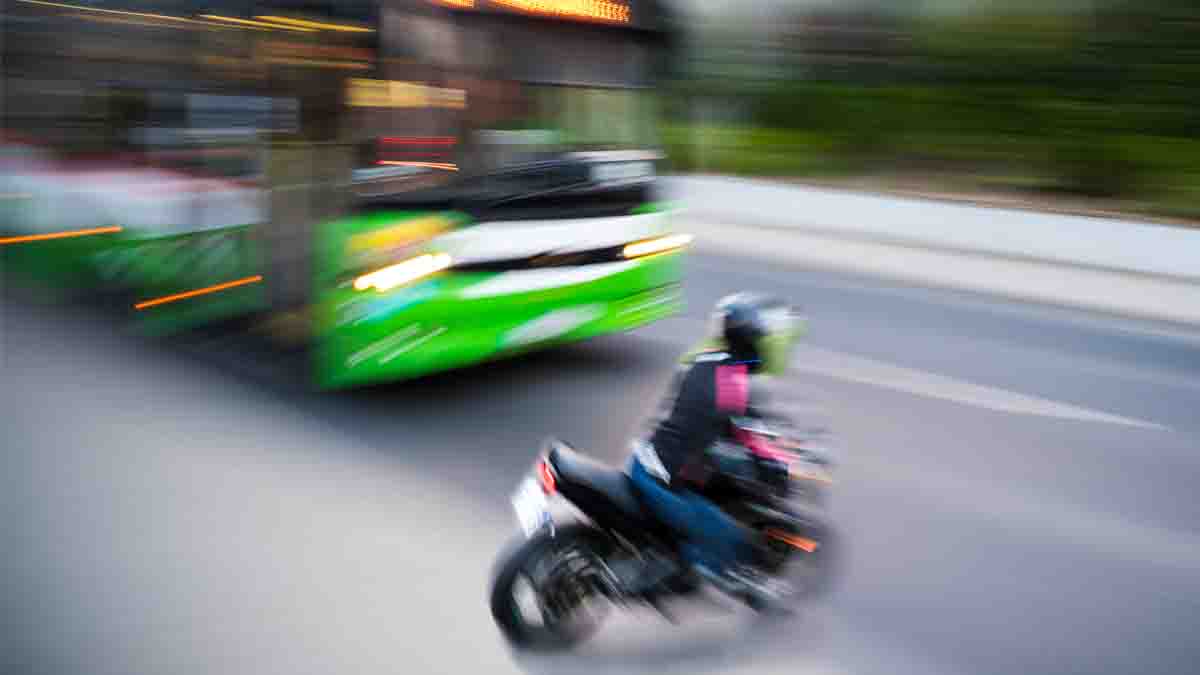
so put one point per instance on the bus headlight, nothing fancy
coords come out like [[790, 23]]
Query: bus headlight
[[403, 273], [639, 249]]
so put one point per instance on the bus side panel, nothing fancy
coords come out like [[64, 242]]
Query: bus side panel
[[436, 325]]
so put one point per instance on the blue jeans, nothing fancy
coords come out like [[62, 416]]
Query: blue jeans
[[711, 537]]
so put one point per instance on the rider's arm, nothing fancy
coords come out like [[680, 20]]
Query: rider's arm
[[756, 432], [756, 412]]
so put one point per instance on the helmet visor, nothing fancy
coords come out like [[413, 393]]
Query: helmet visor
[[785, 327]]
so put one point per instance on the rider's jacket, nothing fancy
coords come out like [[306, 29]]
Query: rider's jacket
[[709, 391]]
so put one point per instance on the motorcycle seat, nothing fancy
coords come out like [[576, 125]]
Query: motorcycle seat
[[577, 472]]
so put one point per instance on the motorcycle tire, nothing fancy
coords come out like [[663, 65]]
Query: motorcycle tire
[[521, 562]]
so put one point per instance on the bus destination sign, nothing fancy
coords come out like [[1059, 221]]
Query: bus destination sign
[[600, 11]]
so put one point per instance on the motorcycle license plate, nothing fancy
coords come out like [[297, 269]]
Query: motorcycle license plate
[[531, 506]]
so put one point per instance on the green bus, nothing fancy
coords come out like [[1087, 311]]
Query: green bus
[[427, 184]]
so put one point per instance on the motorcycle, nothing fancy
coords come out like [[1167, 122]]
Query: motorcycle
[[554, 586]]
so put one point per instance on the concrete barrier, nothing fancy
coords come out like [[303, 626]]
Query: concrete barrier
[[1113, 266], [1082, 241]]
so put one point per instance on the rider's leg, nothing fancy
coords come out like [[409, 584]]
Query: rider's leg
[[712, 537], [715, 542]]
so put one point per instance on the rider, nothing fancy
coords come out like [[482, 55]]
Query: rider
[[752, 335]]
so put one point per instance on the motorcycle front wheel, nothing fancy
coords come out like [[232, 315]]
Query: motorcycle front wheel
[[546, 594]]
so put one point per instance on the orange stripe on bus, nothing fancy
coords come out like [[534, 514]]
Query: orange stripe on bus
[[199, 291], [59, 235]]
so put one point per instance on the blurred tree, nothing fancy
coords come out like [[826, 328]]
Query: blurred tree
[[1091, 98]]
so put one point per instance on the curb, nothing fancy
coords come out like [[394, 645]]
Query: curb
[[966, 198], [1119, 292], [925, 245], [1102, 243]]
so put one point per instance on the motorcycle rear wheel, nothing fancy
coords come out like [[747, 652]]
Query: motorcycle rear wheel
[[558, 572]]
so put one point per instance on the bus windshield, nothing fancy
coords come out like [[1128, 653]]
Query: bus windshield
[[598, 118], [557, 119]]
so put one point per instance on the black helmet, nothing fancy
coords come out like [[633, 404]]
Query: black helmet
[[757, 328]]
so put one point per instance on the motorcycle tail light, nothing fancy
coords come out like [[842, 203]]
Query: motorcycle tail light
[[546, 477]]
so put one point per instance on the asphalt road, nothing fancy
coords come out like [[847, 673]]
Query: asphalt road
[[1017, 492]]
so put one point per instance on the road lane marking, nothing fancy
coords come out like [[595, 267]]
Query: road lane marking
[[867, 371]]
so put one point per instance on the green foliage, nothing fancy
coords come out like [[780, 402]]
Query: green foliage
[[751, 151], [1096, 103]]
